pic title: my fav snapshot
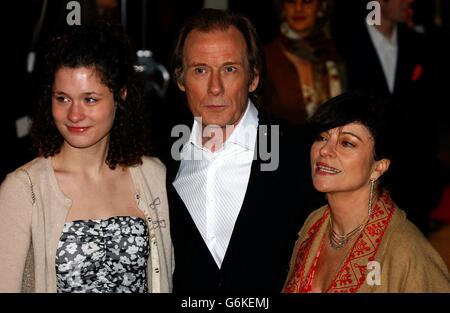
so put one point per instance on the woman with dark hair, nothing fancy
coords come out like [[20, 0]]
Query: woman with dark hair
[[303, 67], [361, 241], [90, 214]]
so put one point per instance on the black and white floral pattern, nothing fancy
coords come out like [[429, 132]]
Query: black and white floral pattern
[[103, 256]]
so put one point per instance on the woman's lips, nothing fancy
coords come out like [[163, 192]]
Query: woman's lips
[[77, 129], [325, 169]]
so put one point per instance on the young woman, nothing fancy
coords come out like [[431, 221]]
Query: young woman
[[90, 213]]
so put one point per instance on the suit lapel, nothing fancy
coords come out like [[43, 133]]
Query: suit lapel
[[375, 69], [184, 214], [403, 63], [250, 211]]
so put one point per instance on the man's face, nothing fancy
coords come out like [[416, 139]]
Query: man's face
[[216, 76], [396, 11]]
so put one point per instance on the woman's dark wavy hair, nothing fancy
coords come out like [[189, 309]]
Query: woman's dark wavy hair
[[207, 20], [376, 115], [105, 48]]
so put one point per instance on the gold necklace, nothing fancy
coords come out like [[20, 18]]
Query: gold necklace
[[339, 241]]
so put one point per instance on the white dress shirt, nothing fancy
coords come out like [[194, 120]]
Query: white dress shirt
[[212, 185], [387, 51]]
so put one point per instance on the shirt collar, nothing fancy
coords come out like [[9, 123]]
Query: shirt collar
[[379, 39], [244, 133]]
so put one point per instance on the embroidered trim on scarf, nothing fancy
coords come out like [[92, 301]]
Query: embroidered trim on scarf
[[297, 283], [353, 272]]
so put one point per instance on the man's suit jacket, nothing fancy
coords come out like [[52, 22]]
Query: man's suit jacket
[[274, 208], [364, 69]]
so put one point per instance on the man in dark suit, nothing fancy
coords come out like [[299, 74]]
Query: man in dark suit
[[387, 59], [384, 57], [242, 189]]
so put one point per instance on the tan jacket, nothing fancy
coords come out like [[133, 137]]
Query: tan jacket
[[407, 262], [33, 211]]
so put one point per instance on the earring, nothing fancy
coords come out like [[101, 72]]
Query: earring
[[372, 191]]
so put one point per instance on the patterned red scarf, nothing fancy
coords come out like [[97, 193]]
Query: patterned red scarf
[[353, 271]]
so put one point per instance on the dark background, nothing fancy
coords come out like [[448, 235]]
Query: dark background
[[163, 17]]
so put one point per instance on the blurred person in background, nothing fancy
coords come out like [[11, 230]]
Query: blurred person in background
[[303, 67]]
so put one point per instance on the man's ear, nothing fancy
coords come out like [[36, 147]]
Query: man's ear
[[381, 166], [123, 93], [179, 78], [254, 83], [181, 86]]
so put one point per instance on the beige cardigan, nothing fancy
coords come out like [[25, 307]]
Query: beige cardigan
[[33, 211]]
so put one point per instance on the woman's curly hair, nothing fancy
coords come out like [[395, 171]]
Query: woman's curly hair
[[104, 48]]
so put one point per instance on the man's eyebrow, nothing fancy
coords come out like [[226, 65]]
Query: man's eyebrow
[[232, 63], [193, 64]]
